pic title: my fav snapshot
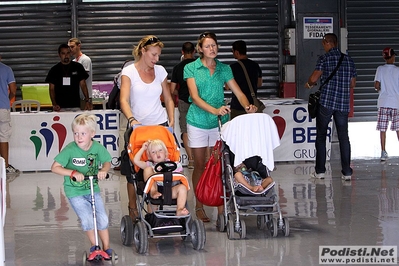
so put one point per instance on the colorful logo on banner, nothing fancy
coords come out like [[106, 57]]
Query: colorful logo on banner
[[46, 134], [280, 123]]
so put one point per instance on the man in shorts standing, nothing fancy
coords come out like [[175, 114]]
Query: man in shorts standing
[[8, 89], [386, 83]]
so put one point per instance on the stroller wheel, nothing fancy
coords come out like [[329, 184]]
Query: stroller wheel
[[140, 236], [286, 227], [198, 234], [230, 229], [261, 221], [221, 223], [273, 227], [243, 229], [127, 230]]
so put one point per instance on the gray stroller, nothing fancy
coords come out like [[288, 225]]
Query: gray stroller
[[248, 136]]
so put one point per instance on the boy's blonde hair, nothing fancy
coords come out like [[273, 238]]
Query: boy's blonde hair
[[85, 120], [156, 143]]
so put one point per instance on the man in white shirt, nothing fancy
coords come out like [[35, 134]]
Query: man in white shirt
[[75, 46], [386, 83]]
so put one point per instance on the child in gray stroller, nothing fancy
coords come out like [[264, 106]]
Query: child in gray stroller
[[252, 175], [249, 190]]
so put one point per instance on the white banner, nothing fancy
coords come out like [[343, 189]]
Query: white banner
[[38, 137], [317, 27], [296, 129]]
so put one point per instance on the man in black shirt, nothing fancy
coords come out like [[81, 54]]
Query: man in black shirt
[[239, 49], [179, 86], [65, 80]]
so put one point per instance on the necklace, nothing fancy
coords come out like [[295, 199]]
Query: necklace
[[77, 58]]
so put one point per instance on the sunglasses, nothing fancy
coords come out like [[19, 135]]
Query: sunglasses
[[207, 34], [151, 40]]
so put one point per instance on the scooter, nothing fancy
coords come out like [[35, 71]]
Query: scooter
[[98, 254]]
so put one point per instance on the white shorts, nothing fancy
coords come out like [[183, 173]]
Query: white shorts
[[200, 138], [5, 125]]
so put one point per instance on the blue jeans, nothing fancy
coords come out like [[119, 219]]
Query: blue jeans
[[323, 118], [83, 209]]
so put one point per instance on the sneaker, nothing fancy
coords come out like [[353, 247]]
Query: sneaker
[[109, 252], [92, 249], [346, 177], [384, 155], [319, 176], [190, 164], [10, 170]]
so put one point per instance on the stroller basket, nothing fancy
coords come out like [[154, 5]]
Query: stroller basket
[[164, 225]]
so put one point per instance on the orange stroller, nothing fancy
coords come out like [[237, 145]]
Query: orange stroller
[[162, 222]]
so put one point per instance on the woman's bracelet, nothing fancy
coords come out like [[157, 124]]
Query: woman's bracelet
[[131, 119]]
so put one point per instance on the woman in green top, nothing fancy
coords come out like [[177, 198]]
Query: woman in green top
[[206, 78]]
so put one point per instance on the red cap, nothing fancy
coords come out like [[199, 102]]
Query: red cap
[[388, 52]]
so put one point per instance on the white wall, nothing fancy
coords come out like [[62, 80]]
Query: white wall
[[365, 140]]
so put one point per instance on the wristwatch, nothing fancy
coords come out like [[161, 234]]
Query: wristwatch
[[89, 100]]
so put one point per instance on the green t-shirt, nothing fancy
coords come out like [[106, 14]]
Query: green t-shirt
[[210, 89], [85, 162]]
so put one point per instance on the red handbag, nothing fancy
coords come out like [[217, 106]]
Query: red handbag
[[209, 190]]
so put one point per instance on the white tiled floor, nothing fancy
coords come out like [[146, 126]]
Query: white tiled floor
[[42, 229]]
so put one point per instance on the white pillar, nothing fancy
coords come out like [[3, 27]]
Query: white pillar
[[3, 178]]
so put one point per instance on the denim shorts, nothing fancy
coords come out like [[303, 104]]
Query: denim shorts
[[83, 209]]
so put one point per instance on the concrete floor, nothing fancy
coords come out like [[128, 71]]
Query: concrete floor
[[42, 229]]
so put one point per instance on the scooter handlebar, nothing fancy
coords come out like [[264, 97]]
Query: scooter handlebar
[[87, 177]]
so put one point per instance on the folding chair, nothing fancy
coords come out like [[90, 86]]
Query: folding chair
[[26, 105]]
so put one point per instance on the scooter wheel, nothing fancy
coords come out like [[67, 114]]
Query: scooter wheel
[[84, 258]]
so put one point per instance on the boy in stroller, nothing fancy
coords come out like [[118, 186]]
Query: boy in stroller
[[157, 152], [252, 174]]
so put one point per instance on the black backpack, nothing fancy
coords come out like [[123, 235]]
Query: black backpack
[[113, 98]]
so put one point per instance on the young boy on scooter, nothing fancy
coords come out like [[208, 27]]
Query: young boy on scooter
[[78, 159]]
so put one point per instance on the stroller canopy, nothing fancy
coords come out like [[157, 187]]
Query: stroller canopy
[[252, 134], [141, 134]]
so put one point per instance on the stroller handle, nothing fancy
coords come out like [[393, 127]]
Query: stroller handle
[[87, 177], [220, 122]]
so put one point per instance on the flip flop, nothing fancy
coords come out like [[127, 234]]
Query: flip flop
[[202, 216]]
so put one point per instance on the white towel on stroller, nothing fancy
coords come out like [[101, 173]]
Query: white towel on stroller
[[252, 134]]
